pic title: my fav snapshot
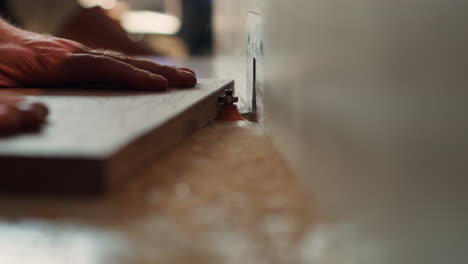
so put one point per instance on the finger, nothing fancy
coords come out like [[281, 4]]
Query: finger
[[72, 46], [32, 114], [187, 69], [181, 77], [176, 77], [84, 68], [41, 109], [10, 120]]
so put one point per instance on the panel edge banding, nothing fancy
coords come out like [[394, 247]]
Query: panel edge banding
[[132, 158]]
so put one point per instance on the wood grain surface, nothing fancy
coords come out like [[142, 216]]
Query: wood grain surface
[[223, 195], [94, 139]]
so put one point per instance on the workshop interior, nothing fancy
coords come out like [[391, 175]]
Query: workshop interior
[[325, 132]]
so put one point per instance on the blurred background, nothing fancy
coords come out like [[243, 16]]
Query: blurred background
[[174, 28], [366, 100]]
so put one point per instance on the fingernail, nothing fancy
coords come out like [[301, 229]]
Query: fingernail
[[31, 117], [24, 106], [187, 70], [186, 74], [41, 109]]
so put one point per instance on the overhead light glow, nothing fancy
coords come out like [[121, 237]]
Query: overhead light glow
[[147, 22], [88, 3], [106, 4]]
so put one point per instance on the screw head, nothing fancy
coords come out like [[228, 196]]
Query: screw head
[[228, 97]]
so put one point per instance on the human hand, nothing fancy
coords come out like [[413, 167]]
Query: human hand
[[52, 62], [38, 60], [29, 59]]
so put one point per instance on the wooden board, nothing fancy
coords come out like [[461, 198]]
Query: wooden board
[[96, 139]]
